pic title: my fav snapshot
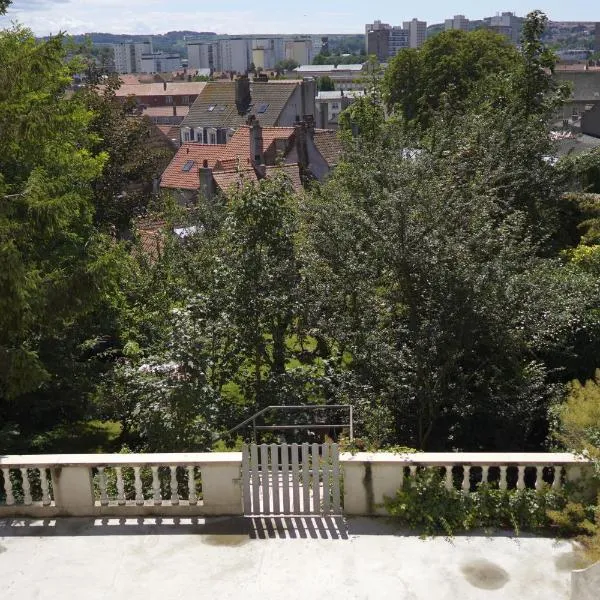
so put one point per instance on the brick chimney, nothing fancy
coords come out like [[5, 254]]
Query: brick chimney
[[174, 110], [256, 143], [165, 86], [300, 135], [243, 99], [207, 184]]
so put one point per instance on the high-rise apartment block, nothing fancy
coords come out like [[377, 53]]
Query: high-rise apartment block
[[300, 51], [128, 56], [459, 22], [385, 41], [506, 24], [236, 54], [597, 38], [417, 31]]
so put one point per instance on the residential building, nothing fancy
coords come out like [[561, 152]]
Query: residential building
[[252, 153], [459, 22], [160, 62], [173, 93], [376, 26], [597, 38], [330, 104], [267, 52], [585, 96], [128, 56], [590, 121], [203, 55], [300, 51], [399, 38], [234, 55], [223, 106], [417, 32], [507, 24], [378, 44], [344, 77]]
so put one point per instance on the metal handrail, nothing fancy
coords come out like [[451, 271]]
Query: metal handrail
[[253, 418]]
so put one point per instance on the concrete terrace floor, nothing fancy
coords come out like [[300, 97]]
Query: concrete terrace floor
[[271, 558]]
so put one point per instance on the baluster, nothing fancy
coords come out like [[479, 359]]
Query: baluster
[[45, 488], [466, 484], [192, 497], [8, 488], [26, 488], [521, 479], [156, 495], [485, 475], [502, 484], [174, 495], [556, 483], [120, 486], [102, 486], [139, 493], [413, 473], [449, 480], [539, 477]]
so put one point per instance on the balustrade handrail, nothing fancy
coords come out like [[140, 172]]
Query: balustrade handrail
[[179, 459], [473, 459]]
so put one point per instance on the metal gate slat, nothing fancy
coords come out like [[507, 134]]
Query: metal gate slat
[[305, 480], [264, 473], [275, 479], [316, 483], [295, 480], [246, 480], [285, 478], [254, 479], [326, 491]]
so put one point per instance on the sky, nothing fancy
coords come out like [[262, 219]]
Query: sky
[[265, 16]]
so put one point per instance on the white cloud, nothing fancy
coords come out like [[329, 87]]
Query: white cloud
[[158, 16]]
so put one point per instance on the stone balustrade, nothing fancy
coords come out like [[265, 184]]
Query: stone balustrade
[[120, 485], [371, 477], [190, 484]]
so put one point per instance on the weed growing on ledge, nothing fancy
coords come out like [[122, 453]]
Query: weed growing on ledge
[[426, 505]]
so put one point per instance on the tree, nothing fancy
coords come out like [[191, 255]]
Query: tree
[[56, 269], [435, 286], [325, 84], [444, 70], [135, 158]]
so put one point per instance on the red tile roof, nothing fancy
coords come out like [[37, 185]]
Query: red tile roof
[[291, 171], [227, 157]]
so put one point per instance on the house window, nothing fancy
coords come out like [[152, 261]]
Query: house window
[[186, 136], [213, 138], [335, 106], [184, 100], [168, 99]]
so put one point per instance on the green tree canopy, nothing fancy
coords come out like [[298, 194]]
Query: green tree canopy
[[445, 69]]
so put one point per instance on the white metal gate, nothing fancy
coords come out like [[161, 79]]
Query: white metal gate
[[291, 479]]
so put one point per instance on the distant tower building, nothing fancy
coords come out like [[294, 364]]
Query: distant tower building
[[376, 26], [300, 51], [128, 56], [508, 25], [324, 45], [597, 38], [457, 22], [417, 32], [378, 44], [399, 38]]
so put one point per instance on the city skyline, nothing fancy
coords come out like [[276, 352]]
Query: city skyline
[[233, 17]]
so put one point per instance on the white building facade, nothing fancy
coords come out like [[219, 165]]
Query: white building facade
[[459, 22], [417, 31], [128, 56], [160, 62]]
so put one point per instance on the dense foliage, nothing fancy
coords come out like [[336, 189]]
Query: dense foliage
[[440, 281]]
